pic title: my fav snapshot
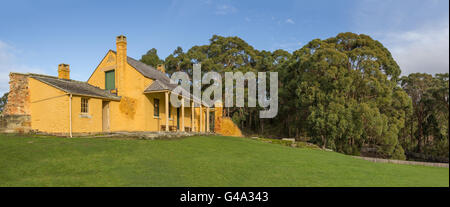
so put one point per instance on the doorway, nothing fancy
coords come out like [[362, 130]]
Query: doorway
[[105, 116]]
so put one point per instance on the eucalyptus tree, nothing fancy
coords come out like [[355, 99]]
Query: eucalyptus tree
[[151, 58], [428, 124], [348, 84]]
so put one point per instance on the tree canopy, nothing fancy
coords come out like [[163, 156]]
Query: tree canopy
[[151, 58], [344, 93], [426, 135], [3, 101], [346, 90]]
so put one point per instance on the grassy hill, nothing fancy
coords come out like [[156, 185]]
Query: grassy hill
[[194, 161]]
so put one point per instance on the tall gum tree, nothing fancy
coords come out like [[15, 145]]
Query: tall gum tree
[[348, 83]]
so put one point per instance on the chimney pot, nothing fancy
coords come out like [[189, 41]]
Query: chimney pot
[[121, 38]]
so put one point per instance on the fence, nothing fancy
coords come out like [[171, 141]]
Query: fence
[[433, 164]]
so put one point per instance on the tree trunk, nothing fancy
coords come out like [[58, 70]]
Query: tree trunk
[[420, 136], [324, 142]]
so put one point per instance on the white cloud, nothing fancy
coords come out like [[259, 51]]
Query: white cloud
[[225, 9], [290, 21], [416, 32], [9, 62], [425, 49]]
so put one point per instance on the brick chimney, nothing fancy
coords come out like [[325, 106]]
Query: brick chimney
[[161, 68], [64, 71], [121, 44]]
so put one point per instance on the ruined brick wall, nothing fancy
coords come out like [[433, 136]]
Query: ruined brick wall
[[15, 123], [19, 95], [16, 115]]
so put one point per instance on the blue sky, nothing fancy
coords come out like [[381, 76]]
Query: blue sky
[[35, 36]]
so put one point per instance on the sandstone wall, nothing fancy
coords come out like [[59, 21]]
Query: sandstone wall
[[19, 95], [224, 125], [16, 115], [15, 123]]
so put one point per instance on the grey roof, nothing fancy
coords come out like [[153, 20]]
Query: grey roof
[[75, 87], [146, 70], [159, 86]]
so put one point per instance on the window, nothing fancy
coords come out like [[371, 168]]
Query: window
[[156, 108], [84, 105], [110, 83]]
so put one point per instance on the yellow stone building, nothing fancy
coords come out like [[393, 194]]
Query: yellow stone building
[[122, 94]]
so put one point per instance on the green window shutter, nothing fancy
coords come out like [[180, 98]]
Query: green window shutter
[[110, 81]]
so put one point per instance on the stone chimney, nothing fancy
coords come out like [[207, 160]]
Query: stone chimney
[[161, 68], [121, 60], [64, 71]]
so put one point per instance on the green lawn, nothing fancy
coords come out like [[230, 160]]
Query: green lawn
[[194, 161]]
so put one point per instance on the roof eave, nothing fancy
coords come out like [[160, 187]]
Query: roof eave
[[158, 91], [99, 97]]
